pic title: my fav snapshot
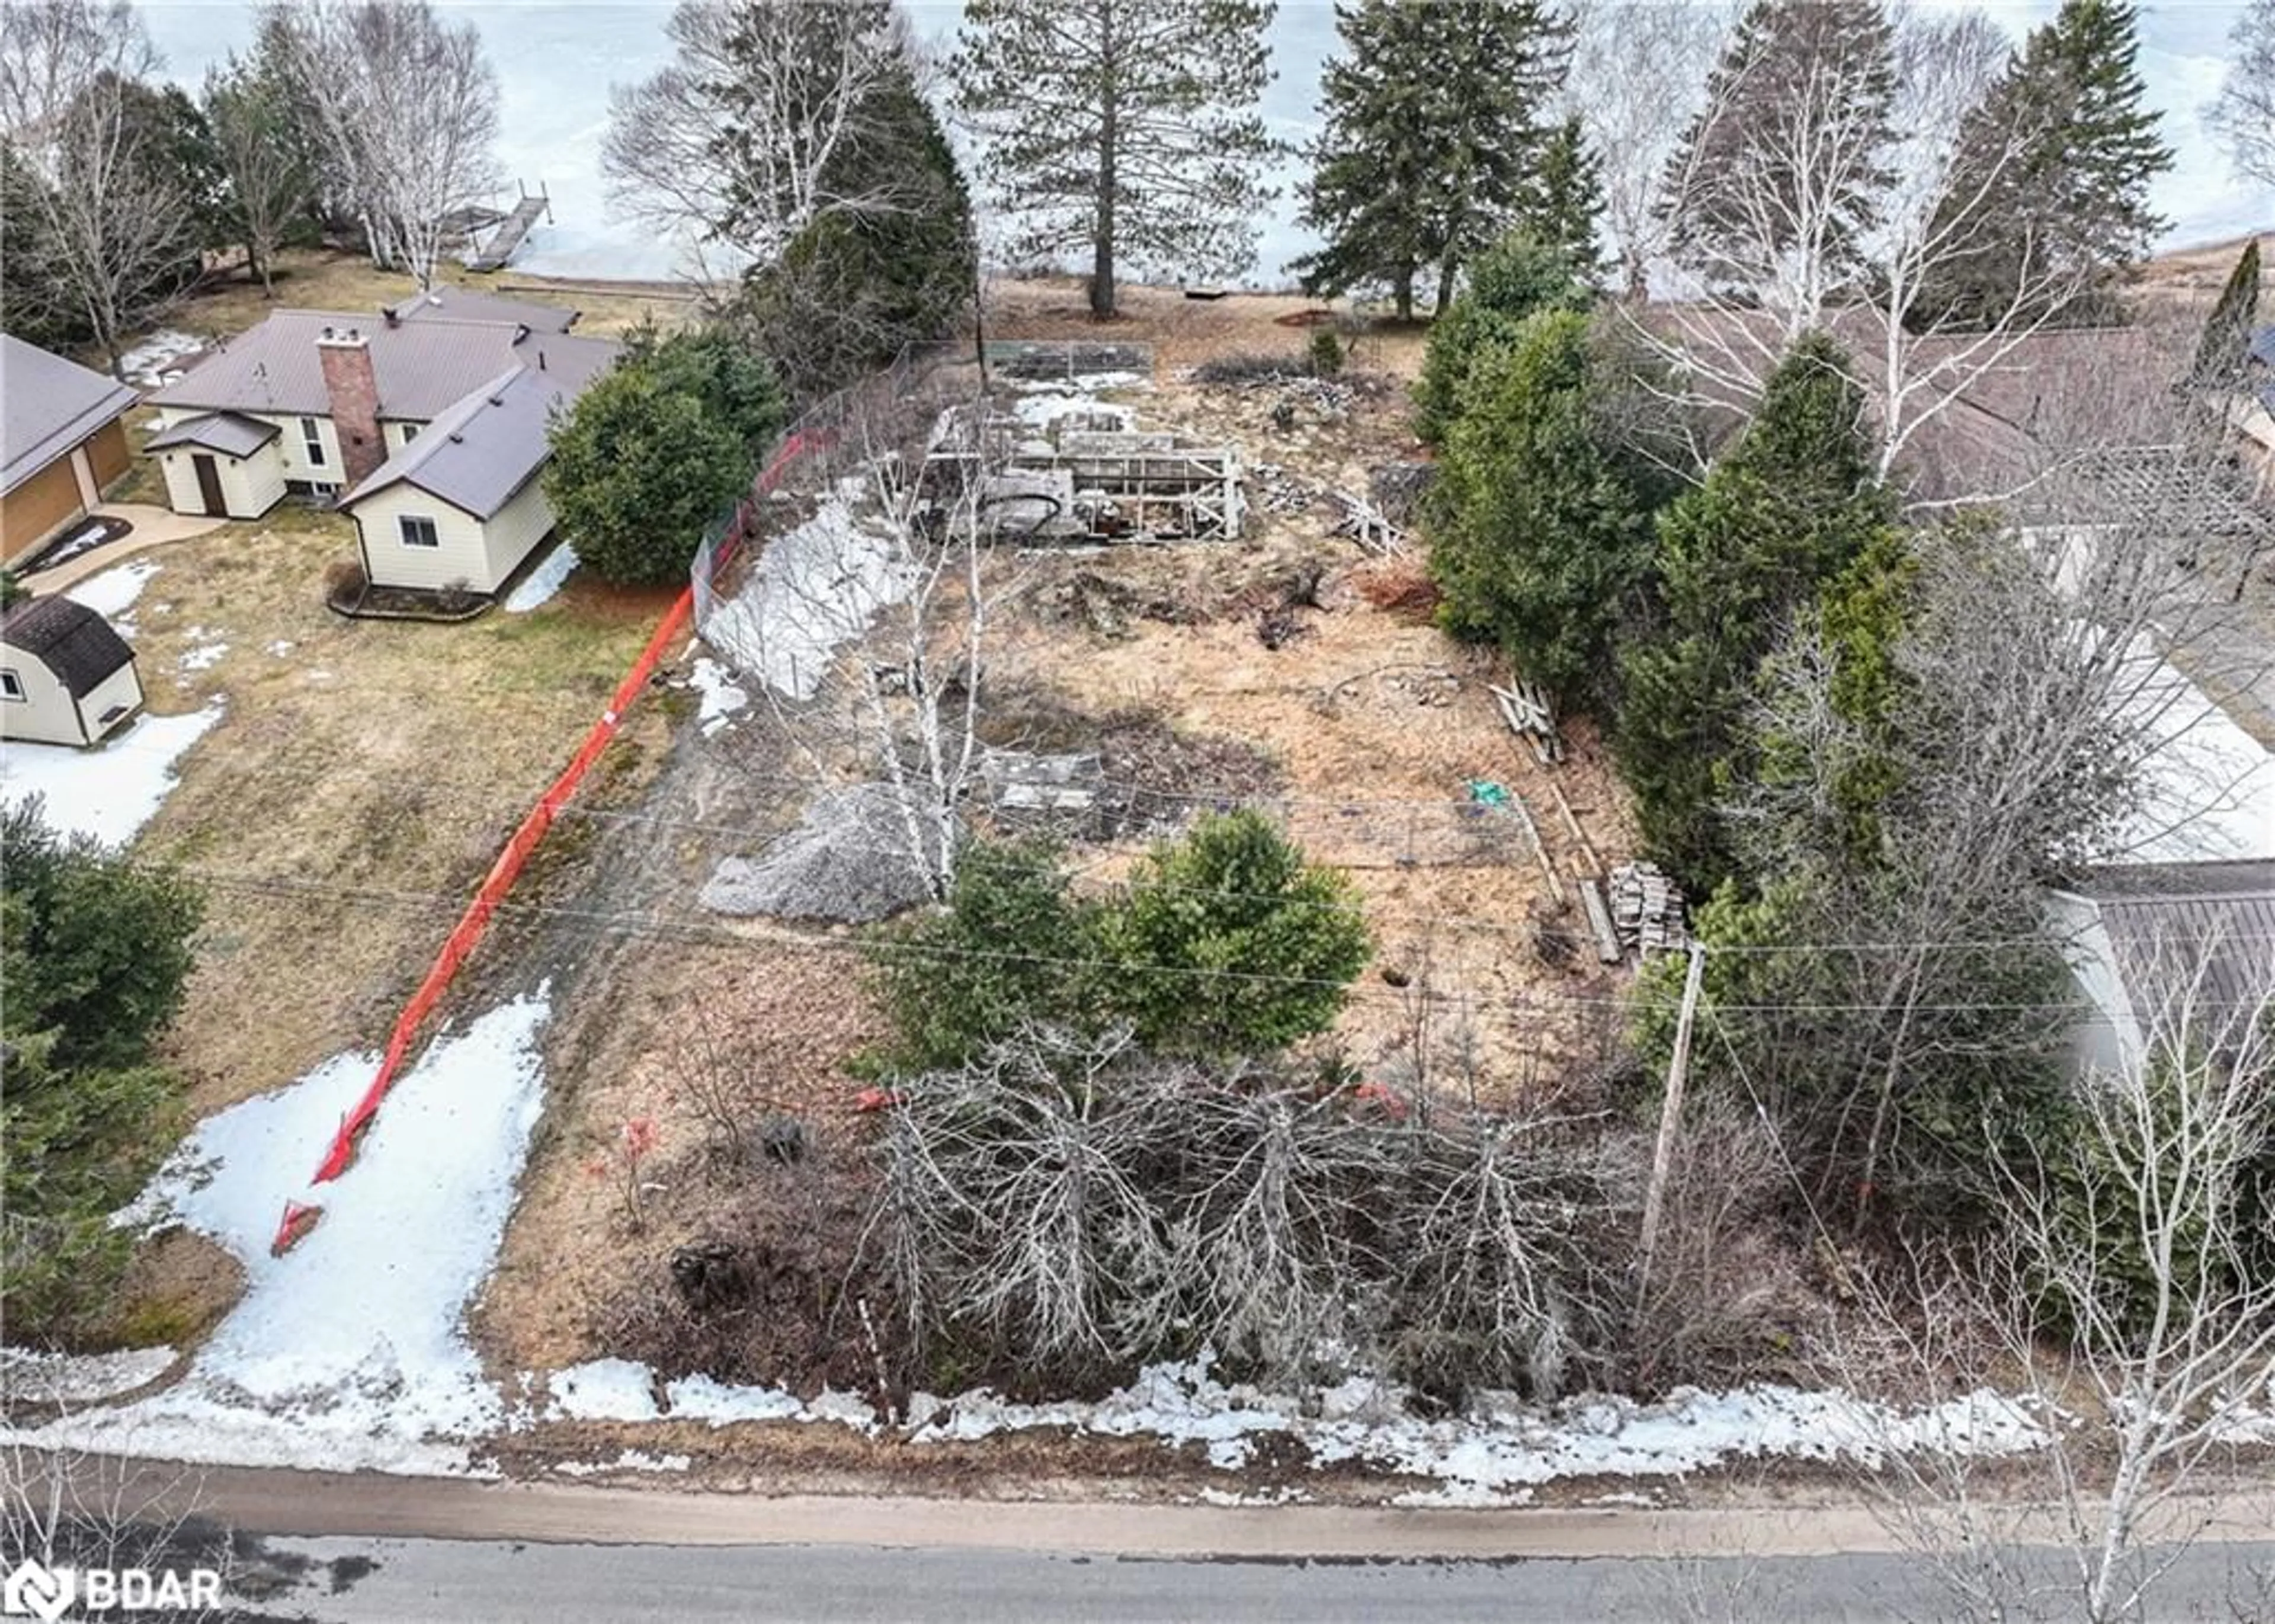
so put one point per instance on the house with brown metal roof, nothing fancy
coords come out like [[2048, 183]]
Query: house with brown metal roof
[[66, 678], [61, 442], [427, 424]]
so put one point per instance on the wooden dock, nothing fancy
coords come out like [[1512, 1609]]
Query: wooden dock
[[505, 242]]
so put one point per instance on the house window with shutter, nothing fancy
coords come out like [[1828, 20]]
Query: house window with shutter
[[417, 531]]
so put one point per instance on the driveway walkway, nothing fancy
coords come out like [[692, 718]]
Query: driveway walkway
[[152, 527]]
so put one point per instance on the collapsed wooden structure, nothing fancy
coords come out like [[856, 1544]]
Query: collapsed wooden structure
[[1089, 476]]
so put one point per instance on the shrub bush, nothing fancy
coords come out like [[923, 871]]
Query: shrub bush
[[1326, 353]]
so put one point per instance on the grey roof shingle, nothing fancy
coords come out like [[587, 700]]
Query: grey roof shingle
[[477, 455], [2262, 348], [48, 406], [70, 639], [422, 367], [216, 431], [2202, 930], [467, 305]]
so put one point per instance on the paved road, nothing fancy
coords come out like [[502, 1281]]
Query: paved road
[[513, 1583]]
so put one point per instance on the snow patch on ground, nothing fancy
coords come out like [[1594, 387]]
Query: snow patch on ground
[[150, 363], [112, 592], [629, 1460], [814, 589], [621, 1390], [1506, 1445], [721, 695], [30, 1378], [1041, 410], [281, 647], [348, 1352], [110, 790], [542, 583], [202, 656]]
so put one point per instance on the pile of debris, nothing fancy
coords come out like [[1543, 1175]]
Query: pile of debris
[[1647, 909], [1276, 490], [1527, 711], [1396, 490], [1365, 523], [852, 858]]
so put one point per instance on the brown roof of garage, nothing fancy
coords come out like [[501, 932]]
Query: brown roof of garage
[[48, 406], [70, 639]]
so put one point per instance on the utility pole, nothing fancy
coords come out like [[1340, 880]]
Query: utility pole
[[1670, 1113]]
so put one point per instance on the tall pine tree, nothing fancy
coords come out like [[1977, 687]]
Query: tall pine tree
[[2059, 158], [1127, 128], [1433, 126], [1783, 173], [1565, 202]]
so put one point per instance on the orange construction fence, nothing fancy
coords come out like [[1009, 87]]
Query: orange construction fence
[[503, 873]]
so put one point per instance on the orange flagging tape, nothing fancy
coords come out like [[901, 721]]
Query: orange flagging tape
[[299, 1219]]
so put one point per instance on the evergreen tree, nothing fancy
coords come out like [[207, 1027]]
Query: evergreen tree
[[856, 287], [1565, 202], [1431, 120], [1782, 174], [2227, 332], [1788, 508], [1540, 519], [2059, 158], [1510, 280], [1125, 127], [267, 161]]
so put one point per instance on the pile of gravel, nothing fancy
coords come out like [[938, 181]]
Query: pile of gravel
[[849, 859]]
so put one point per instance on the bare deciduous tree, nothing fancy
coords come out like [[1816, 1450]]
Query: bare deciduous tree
[[104, 217], [2245, 112], [70, 1508], [405, 107], [271, 180], [2124, 1299], [1639, 71], [743, 140]]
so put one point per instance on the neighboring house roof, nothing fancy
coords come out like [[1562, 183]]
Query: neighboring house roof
[[216, 431], [2261, 347], [463, 305], [48, 405], [485, 448], [2193, 936], [70, 639], [422, 367]]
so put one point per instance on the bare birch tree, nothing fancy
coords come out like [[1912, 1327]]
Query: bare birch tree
[[2123, 1300], [405, 108], [2245, 112], [69, 1508], [743, 139], [1638, 73], [104, 217]]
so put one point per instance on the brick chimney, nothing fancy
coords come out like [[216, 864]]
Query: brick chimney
[[354, 391]]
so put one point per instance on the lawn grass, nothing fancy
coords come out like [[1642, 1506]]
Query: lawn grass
[[361, 781]]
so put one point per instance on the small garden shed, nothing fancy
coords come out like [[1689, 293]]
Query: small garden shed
[[66, 678]]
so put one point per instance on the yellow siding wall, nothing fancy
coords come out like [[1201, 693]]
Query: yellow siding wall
[[291, 450], [396, 439], [427, 569], [480, 554], [250, 485], [46, 714]]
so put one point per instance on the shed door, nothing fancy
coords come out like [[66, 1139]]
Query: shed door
[[209, 486]]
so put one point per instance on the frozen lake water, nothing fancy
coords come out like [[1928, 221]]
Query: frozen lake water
[[557, 61]]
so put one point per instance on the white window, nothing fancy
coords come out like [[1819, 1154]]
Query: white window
[[12, 686], [417, 531], [311, 435]]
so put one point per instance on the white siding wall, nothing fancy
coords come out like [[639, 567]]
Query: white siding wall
[[394, 434], [288, 446], [461, 557], [45, 713], [121, 688], [481, 555], [515, 531], [250, 485]]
